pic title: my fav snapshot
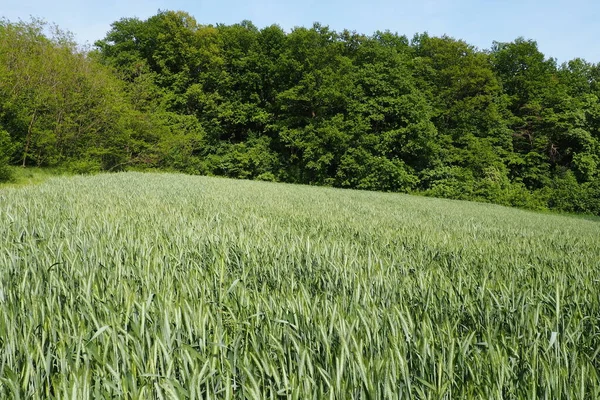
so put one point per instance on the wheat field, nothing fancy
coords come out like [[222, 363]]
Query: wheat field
[[167, 286]]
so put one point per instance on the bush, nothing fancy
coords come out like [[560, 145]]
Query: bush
[[520, 196], [84, 167], [267, 177], [359, 169], [449, 182], [566, 194], [592, 196], [6, 149]]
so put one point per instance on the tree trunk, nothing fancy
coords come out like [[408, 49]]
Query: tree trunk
[[28, 142]]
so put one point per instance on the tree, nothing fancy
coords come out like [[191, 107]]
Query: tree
[[310, 109], [469, 109], [433, 115], [58, 105]]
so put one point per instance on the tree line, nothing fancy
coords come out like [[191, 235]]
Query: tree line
[[427, 115]]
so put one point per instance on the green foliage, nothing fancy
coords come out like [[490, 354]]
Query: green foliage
[[34, 175], [592, 197], [84, 167], [247, 160], [362, 170], [567, 194], [6, 150], [59, 106], [586, 166], [434, 115]]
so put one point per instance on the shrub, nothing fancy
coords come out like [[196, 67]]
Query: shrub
[[6, 149]]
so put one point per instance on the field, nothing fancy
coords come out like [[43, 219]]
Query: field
[[145, 286]]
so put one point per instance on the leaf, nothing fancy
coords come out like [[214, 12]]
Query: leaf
[[553, 337], [98, 333]]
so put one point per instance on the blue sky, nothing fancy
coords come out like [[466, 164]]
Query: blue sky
[[563, 29]]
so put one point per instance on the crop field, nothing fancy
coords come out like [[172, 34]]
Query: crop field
[[143, 286]]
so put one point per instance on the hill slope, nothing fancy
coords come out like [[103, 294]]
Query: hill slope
[[141, 285]]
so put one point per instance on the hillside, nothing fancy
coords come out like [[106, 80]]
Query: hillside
[[379, 111], [136, 285]]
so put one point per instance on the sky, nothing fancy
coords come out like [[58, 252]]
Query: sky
[[564, 30]]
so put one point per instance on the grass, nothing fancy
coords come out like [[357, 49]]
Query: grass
[[141, 286], [31, 176]]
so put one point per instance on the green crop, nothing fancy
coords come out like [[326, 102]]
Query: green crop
[[146, 286]]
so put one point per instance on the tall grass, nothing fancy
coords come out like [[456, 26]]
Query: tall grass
[[19, 176], [145, 286]]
